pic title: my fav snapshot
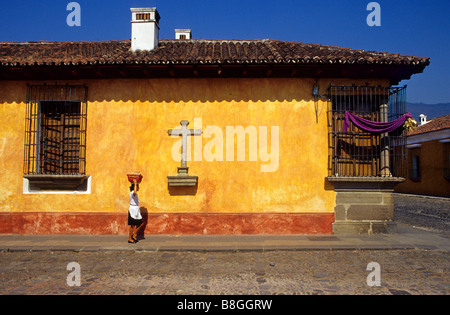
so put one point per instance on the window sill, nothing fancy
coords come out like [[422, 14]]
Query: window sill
[[56, 184]]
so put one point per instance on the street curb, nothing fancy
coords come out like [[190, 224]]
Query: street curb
[[200, 248]]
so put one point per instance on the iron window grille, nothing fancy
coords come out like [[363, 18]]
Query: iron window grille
[[357, 153], [55, 130]]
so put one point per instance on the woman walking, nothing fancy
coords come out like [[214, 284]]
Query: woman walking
[[134, 213]]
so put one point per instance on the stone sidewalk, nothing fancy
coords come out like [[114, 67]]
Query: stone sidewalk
[[407, 237]]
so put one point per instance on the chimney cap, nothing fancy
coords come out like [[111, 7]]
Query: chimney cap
[[147, 10]]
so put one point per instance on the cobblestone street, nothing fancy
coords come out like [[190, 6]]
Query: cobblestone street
[[277, 272], [402, 271], [430, 213]]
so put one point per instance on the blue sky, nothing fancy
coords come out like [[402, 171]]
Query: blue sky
[[413, 27]]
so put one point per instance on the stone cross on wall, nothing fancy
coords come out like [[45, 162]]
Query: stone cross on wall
[[184, 132]]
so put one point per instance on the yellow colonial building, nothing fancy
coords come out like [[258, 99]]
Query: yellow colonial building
[[231, 136], [429, 159]]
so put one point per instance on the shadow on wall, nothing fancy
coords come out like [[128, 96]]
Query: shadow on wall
[[182, 191], [203, 90], [181, 90]]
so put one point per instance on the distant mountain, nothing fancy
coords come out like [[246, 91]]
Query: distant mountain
[[429, 110]]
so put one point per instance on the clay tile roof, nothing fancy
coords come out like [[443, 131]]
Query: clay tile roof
[[194, 51], [439, 123]]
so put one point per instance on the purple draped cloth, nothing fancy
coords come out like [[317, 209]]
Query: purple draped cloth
[[374, 127]]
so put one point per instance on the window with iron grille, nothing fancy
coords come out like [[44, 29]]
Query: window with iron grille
[[357, 153], [55, 130]]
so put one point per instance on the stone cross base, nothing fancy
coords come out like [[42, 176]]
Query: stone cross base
[[183, 179], [180, 180]]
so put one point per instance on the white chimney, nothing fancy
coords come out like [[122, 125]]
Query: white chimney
[[183, 34], [144, 28], [423, 119]]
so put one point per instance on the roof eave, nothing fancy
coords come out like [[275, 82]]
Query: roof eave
[[98, 70]]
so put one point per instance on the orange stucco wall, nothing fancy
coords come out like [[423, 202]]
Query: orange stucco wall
[[127, 131]]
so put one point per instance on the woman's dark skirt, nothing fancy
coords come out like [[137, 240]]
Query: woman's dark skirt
[[132, 221]]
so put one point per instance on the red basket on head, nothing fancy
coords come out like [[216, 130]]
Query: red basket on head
[[135, 176]]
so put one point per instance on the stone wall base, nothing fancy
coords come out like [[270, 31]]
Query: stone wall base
[[364, 205]]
